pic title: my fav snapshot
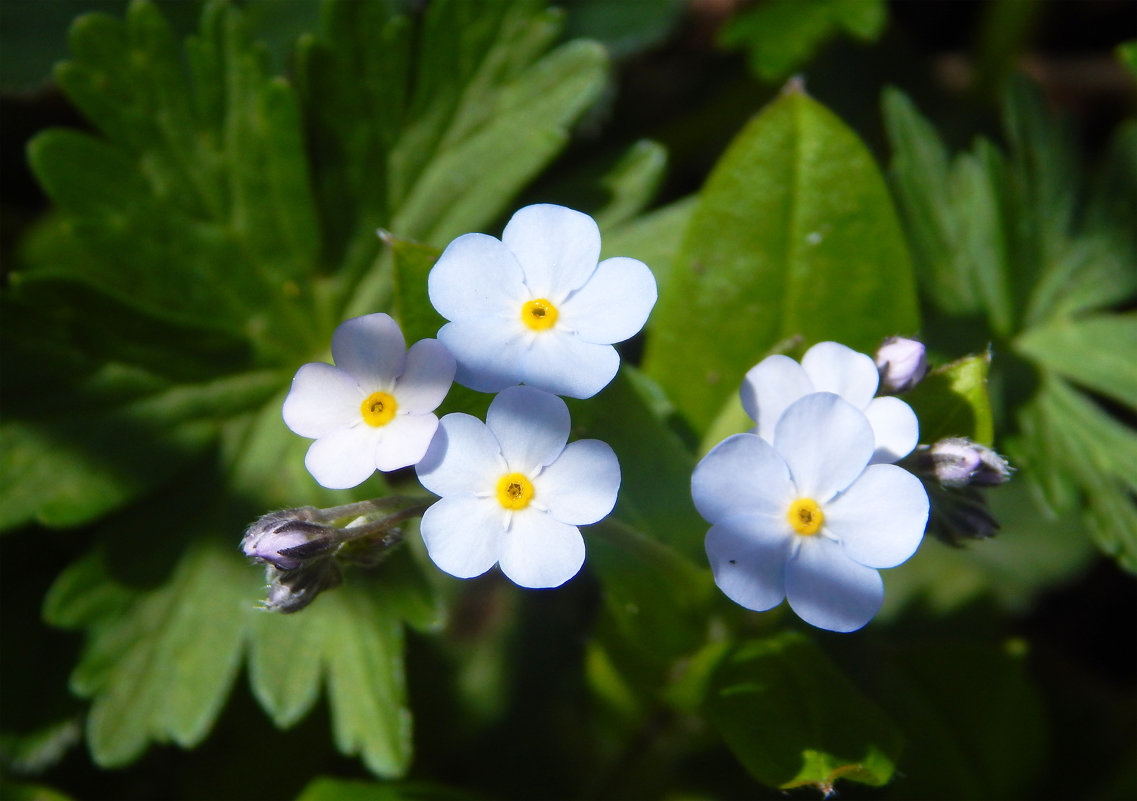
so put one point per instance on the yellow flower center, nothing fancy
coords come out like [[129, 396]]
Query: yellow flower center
[[539, 314], [514, 491], [805, 516], [378, 409]]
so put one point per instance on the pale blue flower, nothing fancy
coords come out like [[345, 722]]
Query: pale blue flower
[[535, 307], [374, 409], [777, 381], [513, 493], [808, 517]]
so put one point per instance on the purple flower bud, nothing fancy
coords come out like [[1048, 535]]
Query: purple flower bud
[[902, 364], [287, 539], [959, 462]]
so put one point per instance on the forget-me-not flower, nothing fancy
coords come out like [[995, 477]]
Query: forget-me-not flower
[[374, 409], [777, 381], [807, 517], [536, 307], [513, 493]]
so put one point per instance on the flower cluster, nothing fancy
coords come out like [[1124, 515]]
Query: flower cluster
[[807, 506], [537, 308]]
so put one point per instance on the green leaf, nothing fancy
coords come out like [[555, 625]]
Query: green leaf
[[1127, 53], [818, 726], [804, 245], [329, 789], [1090, 457], [952, 401], [780, 36], [163, 668], [196, 206], [136, 432], [655, 490], [1095, 352], [659, 599]]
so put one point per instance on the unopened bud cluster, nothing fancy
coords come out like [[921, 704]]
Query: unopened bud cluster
[[302, 548], [955, 472]]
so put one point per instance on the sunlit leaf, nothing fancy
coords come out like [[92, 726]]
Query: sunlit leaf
[[1095, 352], [804, 245], [952, 401]]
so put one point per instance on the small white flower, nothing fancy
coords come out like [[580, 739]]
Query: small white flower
[[777, 381], [374, 408], [808, 518], [513, 493], [535, 307]]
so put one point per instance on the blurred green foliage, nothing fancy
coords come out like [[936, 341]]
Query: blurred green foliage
[[217, 216]]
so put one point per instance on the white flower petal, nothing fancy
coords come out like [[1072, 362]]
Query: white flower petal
[[344, 458], [826, 442], [539, 551], [557, 248], [463, 458], [372, 349], [580, 487], [567, 365], [836, 368], [829, 590], [488, 353], [404, 441], [880, 519], [475, 277], [463, 535], [748, 558], [531, 427], [743, 474], [769, 388], [895, 428], [427, 377], [323, 399], [614, 304]]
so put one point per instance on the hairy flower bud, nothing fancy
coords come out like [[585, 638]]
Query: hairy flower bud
[[959, 462], [286, 539], [902, 364], [291, 590]]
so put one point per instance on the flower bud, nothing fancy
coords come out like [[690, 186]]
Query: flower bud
[[959, 462], [902, 364], [292, 590], [286, 539]]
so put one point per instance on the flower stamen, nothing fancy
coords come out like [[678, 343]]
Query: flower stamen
[[378, 409], [514, 491], [539, 314], [805, 516]]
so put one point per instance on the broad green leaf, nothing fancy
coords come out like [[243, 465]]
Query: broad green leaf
[[792, 718], [952, 401], [780, 36], [412, 264], [1096, 352], [163, 668], [805, 246]]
